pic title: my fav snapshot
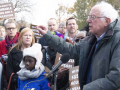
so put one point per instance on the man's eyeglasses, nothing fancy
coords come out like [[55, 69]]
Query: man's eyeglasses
[[92, 17], [13, 28]]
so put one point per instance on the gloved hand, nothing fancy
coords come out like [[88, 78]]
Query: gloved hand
[[5, 57]]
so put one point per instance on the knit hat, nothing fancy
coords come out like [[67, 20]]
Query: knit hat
[[34, 51]]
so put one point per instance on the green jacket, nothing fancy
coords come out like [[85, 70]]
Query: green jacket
[[106, 59]]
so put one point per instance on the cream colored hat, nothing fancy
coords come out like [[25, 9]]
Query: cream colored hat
[[34, 51]]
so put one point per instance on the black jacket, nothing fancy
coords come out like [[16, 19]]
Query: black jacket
[[14, 58], [42, 42]]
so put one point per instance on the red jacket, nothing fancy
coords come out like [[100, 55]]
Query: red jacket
[[3, 49]]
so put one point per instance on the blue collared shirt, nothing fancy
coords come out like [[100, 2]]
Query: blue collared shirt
[[98, 39]]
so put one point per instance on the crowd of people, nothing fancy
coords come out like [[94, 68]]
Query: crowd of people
[[95, 49]]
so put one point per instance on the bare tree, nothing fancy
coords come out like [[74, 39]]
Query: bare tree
[[22, 6], [61, 12]]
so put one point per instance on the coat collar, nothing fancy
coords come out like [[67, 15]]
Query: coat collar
[[110, 30]]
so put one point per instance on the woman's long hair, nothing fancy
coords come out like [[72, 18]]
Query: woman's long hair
[[19, 44]]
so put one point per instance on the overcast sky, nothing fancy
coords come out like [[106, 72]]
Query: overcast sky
[[45, 9]]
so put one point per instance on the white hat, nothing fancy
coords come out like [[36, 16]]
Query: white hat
[[34, 51]]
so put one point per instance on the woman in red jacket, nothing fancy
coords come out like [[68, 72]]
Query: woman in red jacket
[[11, 37], [10, 40]]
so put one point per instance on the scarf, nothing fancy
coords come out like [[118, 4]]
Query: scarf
[[9, 42], [25, 74]]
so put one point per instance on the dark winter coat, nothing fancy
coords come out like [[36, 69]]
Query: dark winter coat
[[42, 42], [14, 58], [106, 59]]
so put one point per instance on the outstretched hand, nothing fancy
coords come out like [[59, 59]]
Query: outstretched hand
[[42, 29]]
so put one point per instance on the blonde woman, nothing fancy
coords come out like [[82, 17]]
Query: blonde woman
[[25, 40]]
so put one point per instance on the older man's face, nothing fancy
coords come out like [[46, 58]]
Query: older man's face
[[96, 25]]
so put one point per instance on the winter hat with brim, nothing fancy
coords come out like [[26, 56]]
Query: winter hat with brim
[[35, 52]]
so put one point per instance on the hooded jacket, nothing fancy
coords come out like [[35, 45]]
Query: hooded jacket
[[105, 65]]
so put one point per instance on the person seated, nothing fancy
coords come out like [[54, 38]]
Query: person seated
[[31, 76]]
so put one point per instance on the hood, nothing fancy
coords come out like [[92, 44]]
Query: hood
[[117, 26]]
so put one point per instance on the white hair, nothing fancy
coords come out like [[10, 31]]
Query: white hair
[[107, 10]]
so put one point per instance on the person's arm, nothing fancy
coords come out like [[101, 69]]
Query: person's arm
[[9, 69], [112, 79], [42, 42], [59, 44], [42, 29]]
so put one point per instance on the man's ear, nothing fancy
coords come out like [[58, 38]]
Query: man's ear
[[108, 20]]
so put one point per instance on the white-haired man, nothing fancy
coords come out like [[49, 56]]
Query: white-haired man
[[98, 54]]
